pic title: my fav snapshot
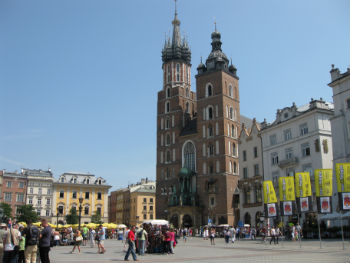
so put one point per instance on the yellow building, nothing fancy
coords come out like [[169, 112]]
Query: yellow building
[[142, 202], [92, 190]]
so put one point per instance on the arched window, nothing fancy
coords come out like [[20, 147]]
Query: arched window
[[168, 139], [187, 93], [167, 123], [177, 72], [167, 106], [210, 150], [231, 113], [226, 111], [210, 131], [234, 151], [169, 73], [230, 167], [234, 167], [187, 107], [189, 156], [168, 157], [209, 91], [230, 91], [210, 113], [247, 218], [233, 134], [168, 92]]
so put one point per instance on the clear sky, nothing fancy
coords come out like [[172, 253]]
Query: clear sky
[[79, 79]]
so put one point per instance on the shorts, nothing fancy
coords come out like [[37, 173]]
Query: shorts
[[101, 242]]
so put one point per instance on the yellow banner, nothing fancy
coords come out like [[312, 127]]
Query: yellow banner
[[342, 171], [302, 184], [323, 182], [286, 188], [269, 192]]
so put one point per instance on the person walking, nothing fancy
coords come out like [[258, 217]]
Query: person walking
[[3, 229], [172, 240], [101, 237], [92, 233], [278, 234], [131, 243], [141, 237], [273, 235], [11, 241], [78, 238], [44, 241], [85, 233], [32, 235], [233, 235], [212, 236]]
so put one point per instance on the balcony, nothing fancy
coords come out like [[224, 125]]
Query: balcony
[[288, 162]]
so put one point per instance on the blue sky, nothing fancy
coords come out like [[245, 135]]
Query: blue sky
[[79, 79]]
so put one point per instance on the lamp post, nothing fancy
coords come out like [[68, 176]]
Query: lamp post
[[58, 211], [80, 208]]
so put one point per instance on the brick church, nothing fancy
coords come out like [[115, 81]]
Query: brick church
[[197, 136]]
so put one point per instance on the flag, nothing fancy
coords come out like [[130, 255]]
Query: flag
[[302, 184], [323, 182], [342, 171], [269, 192], [286, 188]]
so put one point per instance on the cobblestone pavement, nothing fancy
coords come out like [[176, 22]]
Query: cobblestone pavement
[[199, 250]]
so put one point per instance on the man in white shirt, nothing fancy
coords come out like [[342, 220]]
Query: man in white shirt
[[11, 242]]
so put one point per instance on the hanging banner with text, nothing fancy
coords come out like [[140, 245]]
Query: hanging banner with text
[[324, 190], [270, 199], [303, 192], [287, 195], [342, 172]]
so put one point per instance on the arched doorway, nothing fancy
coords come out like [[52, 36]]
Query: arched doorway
[[174, 220], [247, 218], [187, 221]]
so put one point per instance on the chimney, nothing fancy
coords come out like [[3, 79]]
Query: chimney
[[335, 73]]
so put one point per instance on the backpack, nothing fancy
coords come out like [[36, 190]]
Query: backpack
[[139, 234], [33, 236]]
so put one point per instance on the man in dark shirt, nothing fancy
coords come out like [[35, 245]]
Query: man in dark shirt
[[44, 242]]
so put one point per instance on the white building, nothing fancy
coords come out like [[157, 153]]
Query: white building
[[250, 175], [300, 139], [341, 121], [40, 191]]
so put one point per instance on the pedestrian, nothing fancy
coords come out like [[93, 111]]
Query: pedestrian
[[56, 238], [131, 243], [11, 242], [233, 235], [78, 238], [278, 234], [92, 237], [101, 237], [172, 240], [3, 229], [85, 233], [32, 235], [141, 237], [184, 235], [44, 242], [125, 238], [273, 235], [212, 236]]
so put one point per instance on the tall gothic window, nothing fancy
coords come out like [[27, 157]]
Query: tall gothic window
[[189, 155], [177, 72], [169, 73]]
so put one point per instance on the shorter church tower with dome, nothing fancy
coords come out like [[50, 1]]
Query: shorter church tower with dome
[[197, 136]]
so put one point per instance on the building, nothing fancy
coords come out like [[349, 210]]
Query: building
[[340, 84], [300, 139], [14, 190], [70, 187], [197, 173], [40, 191], [116, 206], [251, 174], [142, 202]]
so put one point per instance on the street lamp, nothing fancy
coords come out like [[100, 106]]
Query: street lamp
[[80, 208], [58, 211]]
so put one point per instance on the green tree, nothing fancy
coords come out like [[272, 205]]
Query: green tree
[[27, 213], [72, 217], [6, 211], [96, 218]]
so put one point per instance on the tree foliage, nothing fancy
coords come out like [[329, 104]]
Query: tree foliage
[[72, 217], [96, 218], [27, 213], [6, 211]]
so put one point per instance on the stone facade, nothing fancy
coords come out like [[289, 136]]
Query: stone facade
[[197, 173], [251, 175]]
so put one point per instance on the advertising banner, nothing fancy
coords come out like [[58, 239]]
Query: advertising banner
[[302, 184], [269, 192], [323, 182], [271, 210], [286, 188], [288, 208], [342, 171], [304, 204], [325, 203]]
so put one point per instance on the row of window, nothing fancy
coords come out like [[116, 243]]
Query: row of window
[[256, 171], [86, 195], [10, 184], [173, 70], [168, 140], [168, 123], [232, 169], [19, 197], [168, 93], [145, 216], [303, 130], [145, 208], [30, 201], [145, 200], [255, 154], [48, 191], [85, 211], [39, 184], [231, 92], [257, 195], [167, 156], [305, 151]]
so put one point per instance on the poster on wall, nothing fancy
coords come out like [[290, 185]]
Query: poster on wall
[[325, 204], [346, 201], [287, 208], [271, 210], [304, 204]]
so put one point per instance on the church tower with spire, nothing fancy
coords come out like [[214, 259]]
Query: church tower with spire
[[197, 155]]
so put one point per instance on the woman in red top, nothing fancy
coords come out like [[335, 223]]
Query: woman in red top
[[131, 242], [172, 240]]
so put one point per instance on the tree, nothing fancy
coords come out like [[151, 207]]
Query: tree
[[96, 218], [27, 213], [6, 211], [72, 217]]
